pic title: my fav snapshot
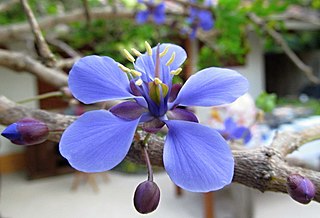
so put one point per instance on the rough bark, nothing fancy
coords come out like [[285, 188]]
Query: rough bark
[[262, 168]]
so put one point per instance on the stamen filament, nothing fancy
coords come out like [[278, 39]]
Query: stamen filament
[[176, 72], [136, 52], [164, 52], [171, 59], [123, 68], [148, 48], [128, 55], [139, 82]]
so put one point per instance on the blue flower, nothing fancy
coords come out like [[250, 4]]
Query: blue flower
[[155, 10], [199, 18], [196, 157], [232, 131]]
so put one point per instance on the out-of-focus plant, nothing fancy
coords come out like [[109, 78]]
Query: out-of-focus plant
[[266, 101]]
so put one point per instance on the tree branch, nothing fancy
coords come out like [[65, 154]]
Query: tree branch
[[262, 168], [307, 70], [42, 46], [18, 30], [20, 62]]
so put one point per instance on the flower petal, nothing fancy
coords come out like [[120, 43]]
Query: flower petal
[[94, 79], [211, 87], [229, 124], [206, 20], [242, 133], [97, 141], [182, 114], [146, 63], [142, 16], [196, 157], [159, 15], [128, 110]]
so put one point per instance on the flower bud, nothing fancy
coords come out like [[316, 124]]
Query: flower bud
[[300, 188], [146, 197], [27, 131]]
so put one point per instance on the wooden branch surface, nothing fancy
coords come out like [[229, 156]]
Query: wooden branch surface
[[21, 62], [262, 168], [307, 70], [42, 46]]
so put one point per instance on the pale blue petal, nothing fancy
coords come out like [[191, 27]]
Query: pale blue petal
[[97, 141], [196, 157], [242, 133], [95, 79], [211, 87]]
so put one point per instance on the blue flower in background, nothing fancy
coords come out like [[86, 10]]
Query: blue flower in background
[[157, 11], [196, 157], [232, 131], [199, 18]]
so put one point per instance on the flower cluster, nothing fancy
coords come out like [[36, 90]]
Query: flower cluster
[[232, 131], [197, 18], [196, 157], [156, 11]]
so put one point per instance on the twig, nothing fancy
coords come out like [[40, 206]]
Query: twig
[[279, 39], [42, 46], [63, 47], [21, 62], [66, 63], [87, 12], [263, 168], [18, 30]]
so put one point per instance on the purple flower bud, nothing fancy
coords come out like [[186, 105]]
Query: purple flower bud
[[300, 188], [146, 197], [27, 131]]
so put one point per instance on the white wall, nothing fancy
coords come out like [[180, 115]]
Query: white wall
[[254, 70], [15, 86]]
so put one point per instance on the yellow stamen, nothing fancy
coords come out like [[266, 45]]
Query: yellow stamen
[[176, 72], [165, 51], [135, 73], [171, 59], [128, 55], [157, 81], [136, 52], [124, 69], [139, 82], [148, 48]]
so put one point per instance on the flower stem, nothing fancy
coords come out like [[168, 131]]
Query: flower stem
[[42, 96], [147, 159]]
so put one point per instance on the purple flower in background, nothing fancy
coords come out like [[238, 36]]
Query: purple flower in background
[[232, 131], [199, 18], [153, 9], [196, 157]]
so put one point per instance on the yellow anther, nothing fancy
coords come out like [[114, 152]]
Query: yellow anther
[[176, 72], [124, 69], [136, 52], [139, 82], [128, 55], [171, 59], [164, 52], [157, 81], [135, 73], [148, 48]]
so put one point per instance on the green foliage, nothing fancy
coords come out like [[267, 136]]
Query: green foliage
[[266, 102]]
